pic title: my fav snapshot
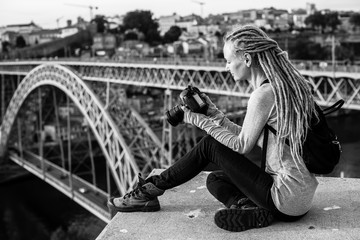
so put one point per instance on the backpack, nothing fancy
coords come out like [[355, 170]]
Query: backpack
[[321, 148]]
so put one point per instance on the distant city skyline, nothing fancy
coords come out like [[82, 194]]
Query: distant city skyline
[[53, 13]]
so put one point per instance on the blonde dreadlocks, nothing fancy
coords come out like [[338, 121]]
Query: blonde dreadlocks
[[293, 100]]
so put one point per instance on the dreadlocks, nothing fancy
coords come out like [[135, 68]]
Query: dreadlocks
[[293, 100]]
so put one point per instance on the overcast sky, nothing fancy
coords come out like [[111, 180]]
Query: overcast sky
[[46, 12]]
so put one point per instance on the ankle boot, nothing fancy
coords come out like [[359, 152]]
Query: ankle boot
[[241, 219], [143, 198]]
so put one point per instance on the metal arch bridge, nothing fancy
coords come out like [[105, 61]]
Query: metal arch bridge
[[125, 139], [328, 86]]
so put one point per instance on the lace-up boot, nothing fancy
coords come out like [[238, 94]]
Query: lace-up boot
[[243, 216], [143, 198], [244, 203]]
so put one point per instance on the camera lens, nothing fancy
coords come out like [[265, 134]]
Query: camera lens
[[175, 115]]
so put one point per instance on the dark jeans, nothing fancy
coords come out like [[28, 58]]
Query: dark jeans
[[239, 177]]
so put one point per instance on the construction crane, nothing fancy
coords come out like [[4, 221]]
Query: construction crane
[[91, 8], [201, 6]]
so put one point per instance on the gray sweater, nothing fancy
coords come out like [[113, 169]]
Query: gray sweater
[[294, 186]]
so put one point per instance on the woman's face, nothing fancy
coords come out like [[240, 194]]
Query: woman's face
[[236, 63]]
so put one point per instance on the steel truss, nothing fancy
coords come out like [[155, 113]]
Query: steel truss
[[120, 159], [328, 86]]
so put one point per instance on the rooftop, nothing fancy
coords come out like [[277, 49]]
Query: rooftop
[[187, 213]]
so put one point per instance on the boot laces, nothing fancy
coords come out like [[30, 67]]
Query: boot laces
[[133, 192], [244, 203], [138, 189]]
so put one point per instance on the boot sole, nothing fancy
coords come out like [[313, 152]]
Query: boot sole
[[145, 208], [237, 220]]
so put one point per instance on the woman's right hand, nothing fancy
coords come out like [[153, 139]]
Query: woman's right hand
[[212, 110]]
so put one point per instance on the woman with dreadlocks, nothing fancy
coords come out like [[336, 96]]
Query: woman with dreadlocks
[[253, 197]]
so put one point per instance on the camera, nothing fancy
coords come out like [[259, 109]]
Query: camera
[[190, 97]]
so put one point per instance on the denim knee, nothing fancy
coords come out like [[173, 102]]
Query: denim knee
[[210, 179]]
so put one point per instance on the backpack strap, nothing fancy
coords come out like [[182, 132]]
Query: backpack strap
[[265, 140], [274, 132], [264, 148], [336, 106]]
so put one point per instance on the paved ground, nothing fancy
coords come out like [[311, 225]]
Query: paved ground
[[187, 213]]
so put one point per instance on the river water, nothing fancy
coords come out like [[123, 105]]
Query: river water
[[30, 209]]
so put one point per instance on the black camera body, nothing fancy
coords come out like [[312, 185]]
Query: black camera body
[[191, 98]]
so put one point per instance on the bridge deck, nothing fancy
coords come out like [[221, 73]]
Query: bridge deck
[[187, 213]]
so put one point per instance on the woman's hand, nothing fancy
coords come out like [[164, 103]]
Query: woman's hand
[[191, 117], [212, 110]]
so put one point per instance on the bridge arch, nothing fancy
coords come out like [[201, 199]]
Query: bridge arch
[[117, 153]]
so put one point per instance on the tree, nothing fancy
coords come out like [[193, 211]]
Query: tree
[[101, 23], [305, 49], [332, 20], [5, 46], [316, 20], [321, 21], [355, 19], [172, 34], [144, 22], [20, 42], [131, 35]]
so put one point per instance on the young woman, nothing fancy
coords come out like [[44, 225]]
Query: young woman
[[282, 99]]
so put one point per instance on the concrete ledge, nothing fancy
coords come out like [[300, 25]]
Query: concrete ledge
[[188, 210]]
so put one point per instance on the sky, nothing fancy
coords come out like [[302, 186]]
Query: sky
[[50, 13]]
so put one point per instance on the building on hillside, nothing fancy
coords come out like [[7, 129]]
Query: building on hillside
[[276, 18], [80, 24], [299, 16], [310, 8], [21, 28], [43, 36], [104, 44], [217, 19], [190, 23], [69, 30], [48, 35], [9, 33], [115, 21], [243, 16], [9, 36], [166, 22], [208, 29]]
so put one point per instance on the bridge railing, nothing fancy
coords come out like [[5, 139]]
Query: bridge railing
[[328, 86], [309, 65]]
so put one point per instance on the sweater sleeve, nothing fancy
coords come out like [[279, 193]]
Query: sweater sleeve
[[259, 106], [223, 121]]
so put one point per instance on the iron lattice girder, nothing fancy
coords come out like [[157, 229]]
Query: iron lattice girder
[[208, 79], [121, 161], [139, 137]]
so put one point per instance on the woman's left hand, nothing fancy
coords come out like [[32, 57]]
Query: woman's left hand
[[192, 117]]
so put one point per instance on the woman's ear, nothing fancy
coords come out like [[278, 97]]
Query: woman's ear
[[247, 59]]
